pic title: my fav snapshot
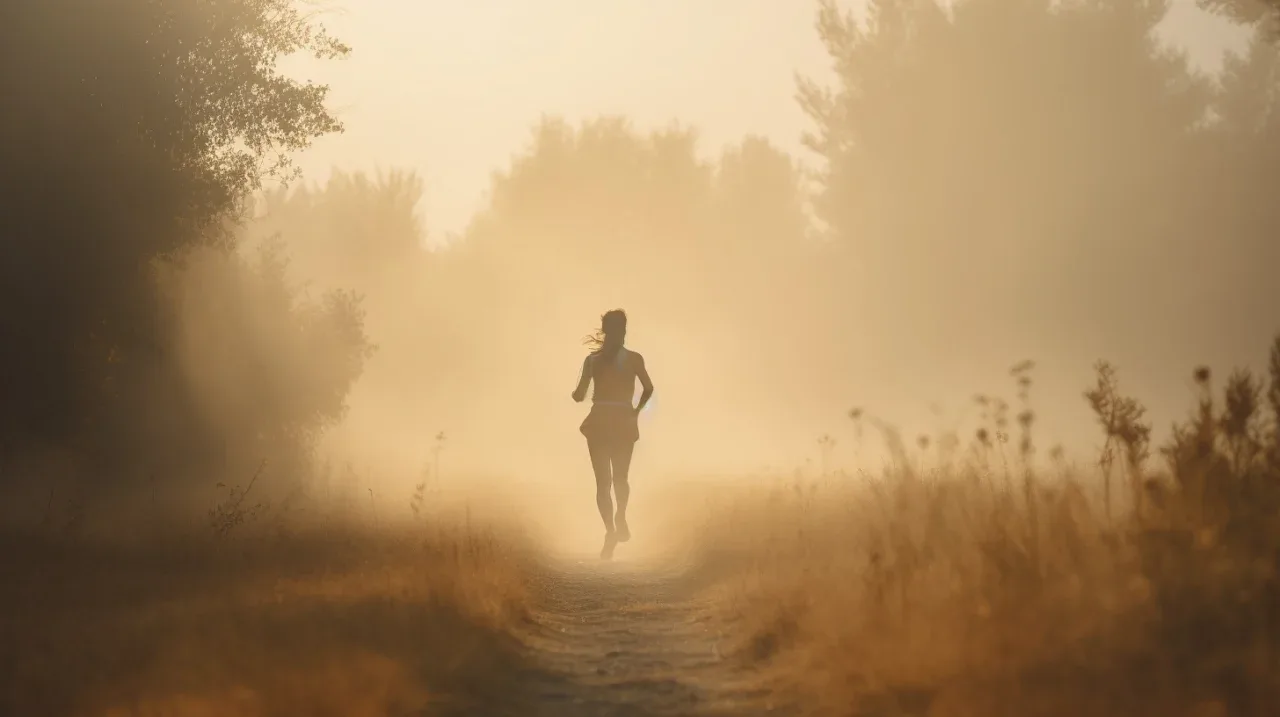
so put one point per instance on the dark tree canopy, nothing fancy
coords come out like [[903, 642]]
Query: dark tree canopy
[[131, 130]]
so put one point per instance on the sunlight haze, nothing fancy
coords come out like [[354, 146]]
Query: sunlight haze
[[452, 88], [661, 358]]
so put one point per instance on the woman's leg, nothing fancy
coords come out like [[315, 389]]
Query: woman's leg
[[604, 478], [620, 457]]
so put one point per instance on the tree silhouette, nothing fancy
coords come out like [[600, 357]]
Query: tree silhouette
[[1239, 151], [978, 157], [698, 246], [364, 233], [266, 367], [350, 232], [131, 131], [1248, 11]]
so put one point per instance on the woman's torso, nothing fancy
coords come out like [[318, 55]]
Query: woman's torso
[[614, 378]]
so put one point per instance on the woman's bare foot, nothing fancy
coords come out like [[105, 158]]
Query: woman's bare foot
[[624, 532], [610, 542]]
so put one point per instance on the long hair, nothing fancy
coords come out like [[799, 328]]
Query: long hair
[[606, 340]]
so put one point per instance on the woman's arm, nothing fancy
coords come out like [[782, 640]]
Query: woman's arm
[[584, 380], [645, 383]]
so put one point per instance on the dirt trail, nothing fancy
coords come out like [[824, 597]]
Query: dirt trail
[[618, 639]]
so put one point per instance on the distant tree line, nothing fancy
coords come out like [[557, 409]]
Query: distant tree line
[[984, 163]]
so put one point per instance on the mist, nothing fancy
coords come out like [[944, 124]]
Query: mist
[[969, 193], [961, 316], [966, 192]]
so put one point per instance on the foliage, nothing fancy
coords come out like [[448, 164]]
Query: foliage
[[1069, 186], [354, 231], [268, 367], [610, 215], [132, 132], [1249, 11]]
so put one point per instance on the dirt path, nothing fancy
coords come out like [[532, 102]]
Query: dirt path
[[625, 640]]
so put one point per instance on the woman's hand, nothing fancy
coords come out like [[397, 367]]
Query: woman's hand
[[584, 380]]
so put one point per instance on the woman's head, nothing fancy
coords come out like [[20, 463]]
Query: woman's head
[[614, 326], [613, 331]]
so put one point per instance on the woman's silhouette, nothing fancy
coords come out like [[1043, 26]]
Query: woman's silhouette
[[611, 427]]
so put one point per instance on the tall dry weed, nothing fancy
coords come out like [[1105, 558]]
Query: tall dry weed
[[950, 591]]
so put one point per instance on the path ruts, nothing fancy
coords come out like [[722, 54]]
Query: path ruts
[[629, 640]]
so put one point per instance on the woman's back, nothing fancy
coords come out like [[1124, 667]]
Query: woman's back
[[611, 427], [614, 377]]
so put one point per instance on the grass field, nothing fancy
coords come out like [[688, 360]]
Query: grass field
[[995, 584], [991, 582], [340, 621]]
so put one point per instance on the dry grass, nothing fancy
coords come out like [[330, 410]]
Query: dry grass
[[990, 586], [336, 620], [987, 583]]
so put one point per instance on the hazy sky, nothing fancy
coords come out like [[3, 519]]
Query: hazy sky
[[452, 88]]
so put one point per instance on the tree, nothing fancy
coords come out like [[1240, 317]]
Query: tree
[[1246, 11], [355, 231], [698, 249], [365, 233], [614, 212], [131, 131], [266, 367], [977, 162], [1240, 150], [994, 186]]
